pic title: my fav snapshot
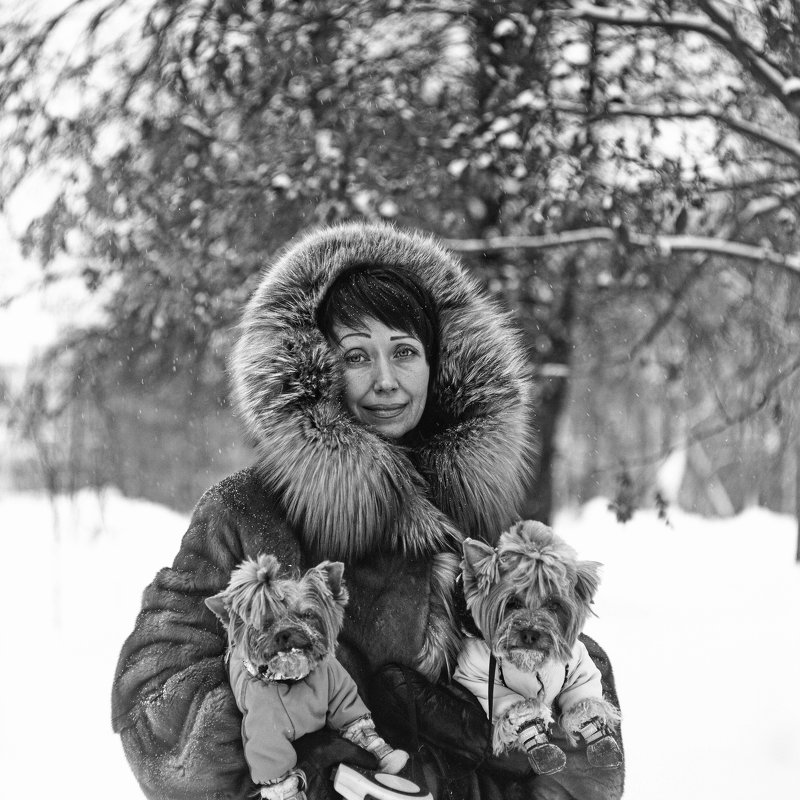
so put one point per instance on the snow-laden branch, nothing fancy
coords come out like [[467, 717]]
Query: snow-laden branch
[[628, 18], [784, 143], [750, 129], [781, 85], [662, 243], [715, 26]]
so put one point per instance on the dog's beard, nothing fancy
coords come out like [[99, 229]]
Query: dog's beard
[[287, 665], [525, 660], [510, 647], [305, 651]]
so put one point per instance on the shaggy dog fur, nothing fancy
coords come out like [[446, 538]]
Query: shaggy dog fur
[[530, 598], [272, 615], [283, 630]]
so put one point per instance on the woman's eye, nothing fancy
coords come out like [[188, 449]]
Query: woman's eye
[[405, 351], [354, 357]]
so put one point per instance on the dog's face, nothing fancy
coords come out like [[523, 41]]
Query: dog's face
[[286, 626], [530, 596]]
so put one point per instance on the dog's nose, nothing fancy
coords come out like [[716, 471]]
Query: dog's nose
[[529, 637]]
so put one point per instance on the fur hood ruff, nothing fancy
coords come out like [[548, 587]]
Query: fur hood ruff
[[347, 491]]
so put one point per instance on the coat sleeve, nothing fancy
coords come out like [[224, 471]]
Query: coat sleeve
[[171, 699], [583, 680]]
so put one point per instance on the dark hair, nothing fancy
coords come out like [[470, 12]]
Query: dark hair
[[391, 295]]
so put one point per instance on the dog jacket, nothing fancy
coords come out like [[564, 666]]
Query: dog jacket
[[567, 683], [277, 713]]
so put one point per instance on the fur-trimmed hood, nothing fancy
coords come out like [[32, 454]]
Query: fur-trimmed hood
[[347, 491]]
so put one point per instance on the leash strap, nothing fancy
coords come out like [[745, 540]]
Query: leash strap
[[492, 671]]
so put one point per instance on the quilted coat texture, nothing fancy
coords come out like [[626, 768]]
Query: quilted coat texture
[[324, 486]]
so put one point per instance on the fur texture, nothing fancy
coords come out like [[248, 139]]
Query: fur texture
[[505, 730], [281, 630], [572, 719], [530, 597], [325, 487], [285, 625], [368, 493]]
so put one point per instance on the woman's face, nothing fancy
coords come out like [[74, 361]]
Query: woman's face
[[385, 376]]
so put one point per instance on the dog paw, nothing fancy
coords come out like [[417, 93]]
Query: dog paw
[[507, 727], [589, 719], [604, 753], [545, 759], [393, 762]]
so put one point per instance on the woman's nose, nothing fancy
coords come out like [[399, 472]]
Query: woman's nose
[[384, 378]]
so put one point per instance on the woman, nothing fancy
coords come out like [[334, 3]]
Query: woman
[[387, 400]]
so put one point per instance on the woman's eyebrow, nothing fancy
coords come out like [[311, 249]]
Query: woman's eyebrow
[[355, 333]]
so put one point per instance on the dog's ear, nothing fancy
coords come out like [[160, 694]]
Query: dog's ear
[[331, 572], [479, 564], [217, 605], [476, 553], [587, 580]]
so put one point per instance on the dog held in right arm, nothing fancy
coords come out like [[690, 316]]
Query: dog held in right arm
[[284, 675], [529, 599]]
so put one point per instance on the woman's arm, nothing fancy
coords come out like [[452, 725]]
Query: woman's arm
[[171, 700]]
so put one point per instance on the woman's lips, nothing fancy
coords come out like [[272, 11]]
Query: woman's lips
[[386, 412]]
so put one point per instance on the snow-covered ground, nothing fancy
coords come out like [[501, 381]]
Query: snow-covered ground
[[701, 619]]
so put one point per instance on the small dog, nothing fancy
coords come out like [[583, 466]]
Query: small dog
[[281, 639], [529, 599]]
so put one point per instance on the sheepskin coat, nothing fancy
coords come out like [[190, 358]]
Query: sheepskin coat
[[324, 486]]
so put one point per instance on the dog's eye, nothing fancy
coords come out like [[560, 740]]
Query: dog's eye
[[307, 615], [513, 604], [552, 605], [508, 562]]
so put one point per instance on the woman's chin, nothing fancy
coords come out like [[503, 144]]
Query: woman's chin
[[390, 430], [388, 427]]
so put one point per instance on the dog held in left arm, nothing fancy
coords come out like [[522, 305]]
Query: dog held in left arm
[[529, 599], [287, 682]]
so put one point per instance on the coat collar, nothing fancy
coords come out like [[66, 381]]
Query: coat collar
[[345, 490]]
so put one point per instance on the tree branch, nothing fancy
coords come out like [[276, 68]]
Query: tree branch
[[664, 244], [771, 77], [718, 28], [789, 146], [754, 209], [700, 433]]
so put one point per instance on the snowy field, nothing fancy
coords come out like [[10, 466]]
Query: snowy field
[[700, 619]]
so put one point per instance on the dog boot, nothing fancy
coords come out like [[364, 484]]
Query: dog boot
[[544, 756], [362, 733], [290, 787], [602, 749]]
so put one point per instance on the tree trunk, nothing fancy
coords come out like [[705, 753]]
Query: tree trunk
[[548, 403], [550, 392]]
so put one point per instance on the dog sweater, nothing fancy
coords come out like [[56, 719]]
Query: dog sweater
[[566, 682], [277, 713]]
